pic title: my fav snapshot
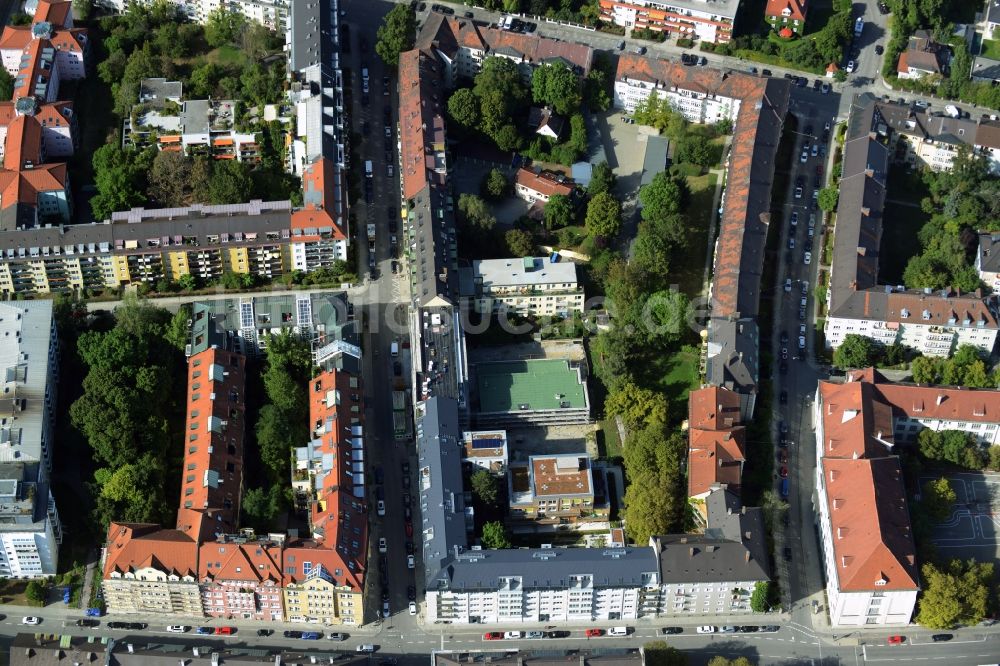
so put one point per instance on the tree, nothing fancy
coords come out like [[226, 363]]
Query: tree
[[463, 107], [661, 197], [35, 592], [604, 217], [120, 179], [224, 27], [827, 199], [475, 212], [81, 10], [654, 499], [558, 212], [6, 84], [696, 149], [275, 433], [507, 138], [759, 597], [494, 536], [396, 34], [937, 498], [177, 331], [187, 282], [230, 183], [955, 594], [260, 507], [499, 79], [927, 369], [638, 407], [485, 487], [556, 85], [602, 179], [993, 457], [855, 351], [520, 243], [495, 185], [658, 653], [719, 660], [954, 446], [665, 315], [170, 182]]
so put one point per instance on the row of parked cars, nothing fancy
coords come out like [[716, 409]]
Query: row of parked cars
[[528, 635], [742, 629]]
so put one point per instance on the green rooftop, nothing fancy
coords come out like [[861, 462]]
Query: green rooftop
[[512, 386]]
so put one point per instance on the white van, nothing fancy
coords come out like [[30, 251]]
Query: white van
[[368, 168], [618, 631], [366, 647]]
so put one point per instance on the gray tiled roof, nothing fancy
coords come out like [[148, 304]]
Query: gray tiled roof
[[733, 547], [434, 247], [442, 508], [989, 252], [732, 354], [547, 567]]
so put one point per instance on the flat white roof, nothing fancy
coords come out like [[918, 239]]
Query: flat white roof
[[25, 332], [512, 272]]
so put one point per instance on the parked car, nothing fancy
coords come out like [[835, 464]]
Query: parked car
[[338, 636], [177, 628], [727, 629], [706, 629], [672, 630], [290, 633], [594, 633], [557, 634], [807, 258], [382, 545], [136, 626], [531, 635], [897, 640], [265, 632], [941, 638], [31, 620], [88, 623], [413, 608], [204, 631], [380, 508], [119, 625], [511, 635], [493, 636], [225, 631], [410, 564], [770, 628], [411, 593], [879, 50]]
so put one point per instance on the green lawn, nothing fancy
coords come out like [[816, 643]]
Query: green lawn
[[900, 224], [680, 373], [226, 55], [688, 269], [990, 49]]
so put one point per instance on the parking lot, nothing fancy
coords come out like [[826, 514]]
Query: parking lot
[[973, 529]]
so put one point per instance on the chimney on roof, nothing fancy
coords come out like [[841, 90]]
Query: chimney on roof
[[866, 211], [691, 551], [940, 398], [746, 556]]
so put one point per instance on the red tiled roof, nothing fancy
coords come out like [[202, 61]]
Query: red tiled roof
[[306, 550], [15, 37], [56, 12], [796, 9], [716, 440], [213, 460], [870, 525], [856, 422], [320, 206], [545, 183], [251, 562], [421, 121], [7, 114], [132, 546]]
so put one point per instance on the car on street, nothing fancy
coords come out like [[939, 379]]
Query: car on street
[[897, 640], [311, 635], [706, 629], [469, 15], [380, 508], [621, 45], [264, 633], [640, 50], [727, 629], [689, 59], [791, 242], [493, 636], [788, 284], [382, 545], [802, 342], [225, 631], [532, 635], [770, 628], [338, 636], [807, 258], [672, 630], [594, 633], [783, 397], [825, 88], [747, 629], [557, 634], [406, 499], [798, 192], [31, 620], [117, 625], [511, 635], [782, 456], [804, 156], [411, 593], [88, 623], [385, 609], [783, 472], [850, 66], [940, 638], [413, 608], [815, 149], [203, 631], [794, 219], [883, 8], [879, 50], [177, 628], [802, 314], [291, 633], [135, 626], [409, 529], [410, 563]]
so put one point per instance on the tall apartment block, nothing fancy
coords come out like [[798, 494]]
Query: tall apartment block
[[30, 531]]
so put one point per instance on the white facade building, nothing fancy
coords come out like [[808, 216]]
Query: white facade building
[[271, 13], [533, 285], [988, 260], [701, 95], [30, 530], [708, 20], [868, 551]]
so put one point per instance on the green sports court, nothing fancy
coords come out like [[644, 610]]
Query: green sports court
[[512, 386]]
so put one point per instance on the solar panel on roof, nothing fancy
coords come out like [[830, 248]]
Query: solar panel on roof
[[491, 443]]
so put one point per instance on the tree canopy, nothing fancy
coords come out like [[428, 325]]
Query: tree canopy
[[855, 351], [396, 34], [485, 487], [558, 212], [475, 213], [520, 243], [495, 536], [655, 501], [556, 85], [955, 446], [638, 407], [937, 497], [956, 593], [604, 216]]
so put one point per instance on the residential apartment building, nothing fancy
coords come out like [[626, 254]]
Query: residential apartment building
[[148, 569], [557, 489], [461, 46], [316, 586], [266, 239], [273, 14], [787, 15], [987, 140], [988, 260], [486, 449], [247, 323], [241, 579], [714, 572], [35, 127], [213, 459], [868, 551], [932, 322], [537, 187], [707, 20], [30, 529], [700, 95], [195, 127], [532, 286], [716, 443]]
